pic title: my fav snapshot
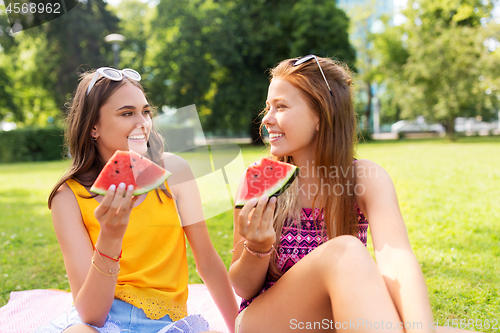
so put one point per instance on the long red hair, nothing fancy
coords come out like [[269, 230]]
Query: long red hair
[[335, 147]]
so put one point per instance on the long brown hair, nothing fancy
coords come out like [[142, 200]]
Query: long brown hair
[[335, 147], [83, 113]]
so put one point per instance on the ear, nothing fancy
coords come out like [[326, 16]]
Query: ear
[[95, 132], [317, 127]]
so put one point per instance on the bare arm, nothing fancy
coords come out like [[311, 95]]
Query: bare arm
[[395, 259], [247, 272], [93, 292], [208, 262], [212, 271]]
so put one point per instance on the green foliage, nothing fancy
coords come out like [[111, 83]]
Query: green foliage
[[31, 144], [32, 103], [39, 67], [75, 39], [437, 64], [215, 54], [135, 25]]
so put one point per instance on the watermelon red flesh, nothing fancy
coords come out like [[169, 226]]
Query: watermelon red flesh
[[266, 178], [132, 169]]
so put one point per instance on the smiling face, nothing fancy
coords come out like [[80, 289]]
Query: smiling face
[[124, 122], [291, 122]]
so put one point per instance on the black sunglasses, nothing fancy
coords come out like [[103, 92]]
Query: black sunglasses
[[306, 59]]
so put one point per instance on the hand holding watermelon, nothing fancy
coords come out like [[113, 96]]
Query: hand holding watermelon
[[132, 169], [124, 168], [256, 224], [263, 179]]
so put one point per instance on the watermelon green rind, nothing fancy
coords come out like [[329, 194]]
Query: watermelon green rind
[[161, 180], [276, 190]]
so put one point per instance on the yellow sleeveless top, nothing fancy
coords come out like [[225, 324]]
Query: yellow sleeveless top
[[154, 270]]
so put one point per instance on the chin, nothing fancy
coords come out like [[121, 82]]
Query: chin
[[277, 152], [139, 149]]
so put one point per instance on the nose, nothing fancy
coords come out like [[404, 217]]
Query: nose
[[143, 122], [269, 118], [143, 119]]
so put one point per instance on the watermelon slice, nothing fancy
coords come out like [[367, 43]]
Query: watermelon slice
[[132, 169], [266, 177]]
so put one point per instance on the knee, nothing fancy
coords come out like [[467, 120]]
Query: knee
[[347, 243], [344, 250]]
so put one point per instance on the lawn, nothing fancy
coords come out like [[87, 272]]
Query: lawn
[[447, 191]]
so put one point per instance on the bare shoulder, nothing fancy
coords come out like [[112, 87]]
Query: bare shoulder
[[174, 163], [371, 181], [64, 196], [376, 197], [367, 168]]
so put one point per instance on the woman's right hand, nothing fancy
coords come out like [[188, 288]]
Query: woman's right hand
[[113, 212], [255, 224]]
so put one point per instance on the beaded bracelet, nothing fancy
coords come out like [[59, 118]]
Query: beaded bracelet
[[115, 258], [258, 254]]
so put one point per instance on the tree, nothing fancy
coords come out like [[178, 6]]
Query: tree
[[41, 64], [75, 42], [449, 72], [7, 43], [216, 53], [135, 25]]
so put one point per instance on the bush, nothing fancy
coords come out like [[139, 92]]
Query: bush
[[31, 144]]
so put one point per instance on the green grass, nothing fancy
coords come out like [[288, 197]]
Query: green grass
[[447, 191]]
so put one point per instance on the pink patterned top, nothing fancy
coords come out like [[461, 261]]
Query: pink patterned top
[[294, 245]]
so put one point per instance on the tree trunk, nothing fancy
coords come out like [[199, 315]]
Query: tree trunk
[[368, 110], [449, 125]]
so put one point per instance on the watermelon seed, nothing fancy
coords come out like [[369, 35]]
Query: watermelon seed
[[133, 159], [131, 166], [117, 171], [116, 162]]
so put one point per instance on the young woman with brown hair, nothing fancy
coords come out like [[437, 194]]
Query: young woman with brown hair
[[300, 260], [125, 256]]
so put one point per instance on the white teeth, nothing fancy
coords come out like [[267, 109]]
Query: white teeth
[[275, 135], [137, 137]]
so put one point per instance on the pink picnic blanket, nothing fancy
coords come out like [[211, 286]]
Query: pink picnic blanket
[[27, 310]]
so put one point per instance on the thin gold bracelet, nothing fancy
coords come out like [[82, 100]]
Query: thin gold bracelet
[[106, 265], [112, 274]]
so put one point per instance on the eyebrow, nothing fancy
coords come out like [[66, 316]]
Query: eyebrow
[[130, 107], [277, 99]]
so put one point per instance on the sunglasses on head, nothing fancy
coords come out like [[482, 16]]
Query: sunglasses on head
[[306, 59], [113, 74]]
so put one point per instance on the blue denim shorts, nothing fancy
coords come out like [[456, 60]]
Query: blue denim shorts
[[124, 317]]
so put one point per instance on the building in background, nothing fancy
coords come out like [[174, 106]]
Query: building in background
[[362, 24]]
